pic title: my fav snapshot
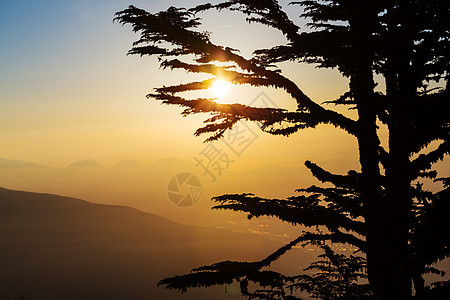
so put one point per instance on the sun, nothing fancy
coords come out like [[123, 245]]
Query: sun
[[220, 88]]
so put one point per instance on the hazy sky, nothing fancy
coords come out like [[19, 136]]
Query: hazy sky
[[68, 91]]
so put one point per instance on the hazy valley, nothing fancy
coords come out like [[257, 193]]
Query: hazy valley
[[58, 247]]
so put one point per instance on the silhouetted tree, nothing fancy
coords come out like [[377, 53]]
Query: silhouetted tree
[[337, 278], [382, 209]]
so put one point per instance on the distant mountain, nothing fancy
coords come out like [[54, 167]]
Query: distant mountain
[[10, 164], [89, 163], [58, 247]]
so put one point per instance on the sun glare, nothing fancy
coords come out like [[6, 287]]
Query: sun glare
[[220, 88]]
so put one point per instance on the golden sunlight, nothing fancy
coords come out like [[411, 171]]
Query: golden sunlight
[[220, 88]]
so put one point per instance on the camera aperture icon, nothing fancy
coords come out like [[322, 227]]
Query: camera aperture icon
[[184, 190]]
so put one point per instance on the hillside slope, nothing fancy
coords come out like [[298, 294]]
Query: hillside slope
[[58, 247]]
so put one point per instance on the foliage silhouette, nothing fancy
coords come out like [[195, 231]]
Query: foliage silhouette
[[382, 209]]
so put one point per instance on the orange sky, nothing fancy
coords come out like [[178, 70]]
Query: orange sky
[[74, 94], [69, 92]]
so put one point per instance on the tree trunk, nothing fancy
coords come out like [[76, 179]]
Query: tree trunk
[[386, 217], [399, 185], [400, 88], [371, 192], [397, 213]]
